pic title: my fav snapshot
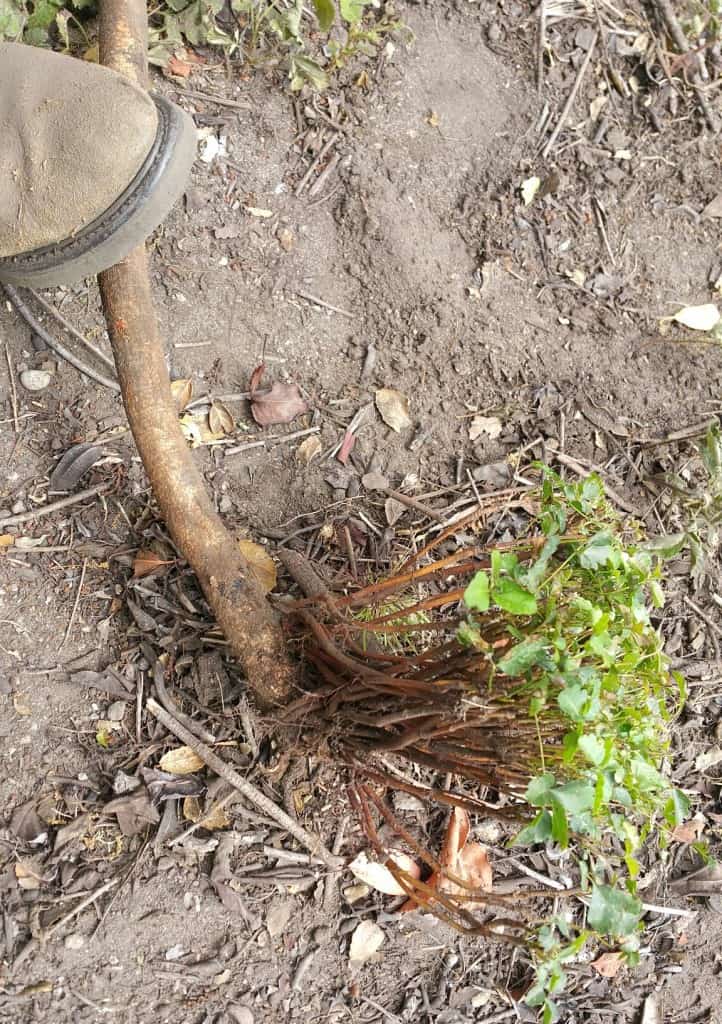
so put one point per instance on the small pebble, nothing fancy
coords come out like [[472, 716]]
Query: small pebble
[[74, 941], [166, 863], [322, 934], [17, 508], [35, 380], [116, 711]]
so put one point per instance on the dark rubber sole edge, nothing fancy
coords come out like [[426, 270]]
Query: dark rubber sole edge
[[146, 202]]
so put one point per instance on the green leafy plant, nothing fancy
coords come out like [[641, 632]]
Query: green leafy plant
[[596, 683], [541, 678], [35, 22]]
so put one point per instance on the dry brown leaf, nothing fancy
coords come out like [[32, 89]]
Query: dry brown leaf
[[366, 940], [489, 426], [196, 429], [261, 563], [147, 561], [181, 761], [309, 449], [281, 404], [690, 831], [469, 862], [182, 391], [6, 540], [379, 876], [608, 965], [28, 874], [177, 67], [220, 418], [212, 820], [393, 408]]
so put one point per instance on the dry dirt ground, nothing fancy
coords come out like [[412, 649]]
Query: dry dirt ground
[[434, 279]]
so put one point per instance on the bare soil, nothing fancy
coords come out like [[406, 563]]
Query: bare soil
[[433, 279]]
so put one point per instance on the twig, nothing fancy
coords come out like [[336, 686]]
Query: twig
[[655, 908], [13, 390], [597, 206], [172, 709], [51, 342], [541, 43], [542, 879], [312, 843], [74, 612], [418, 506], [330, 893], [324, 305], [33, 944], [675, 30], [50, 308], [281, 438], [53, 506], [324, 175], [703, 616], [220, 100], [570, 99], [314, 164]]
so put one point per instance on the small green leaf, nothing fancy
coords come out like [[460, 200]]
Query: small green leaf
[[538, 790], [325, 12], [536, 573], [575, 796], [666, 546], [601, 550], [512, 597], [538, 831], [560, 825], [476, 595], [676, 808], [352, 10], [613, 912], [573, 701], [522, 657], [593, 749]]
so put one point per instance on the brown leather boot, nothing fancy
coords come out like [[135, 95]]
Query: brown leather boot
[[89, 165]]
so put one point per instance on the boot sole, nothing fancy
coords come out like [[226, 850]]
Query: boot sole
[[146, 202]]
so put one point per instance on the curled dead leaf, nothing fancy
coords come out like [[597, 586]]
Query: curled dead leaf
[[489, 426], [366, 940], [147, 561], [181, 761], [690, 831], [212, 819], [261, 563], [220, 418], [197, 430], [182, 391], [393, 408], [309, 449], [281, 404], [378, 875], [608, 965]]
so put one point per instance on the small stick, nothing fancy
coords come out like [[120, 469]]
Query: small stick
[[51, 309], [597, 206], [51, 342], [233, 104], [54, 506], [324, 305], [281, 438], [314, 164], [675, 30], [418, 506], [324, 175], [655, 908], [541, 43], [172, 709], [542, 879], [350, 552], [570, 99], [312, 843], [703, 616], [65, 919], [191, 344], [74, 612], [13, 390], [330, 889]]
